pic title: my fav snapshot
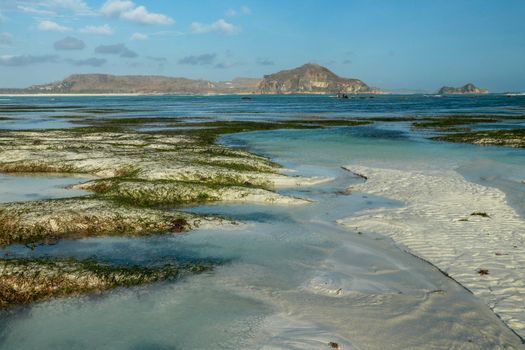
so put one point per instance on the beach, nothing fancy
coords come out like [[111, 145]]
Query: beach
[[466, 230], [260, 225]]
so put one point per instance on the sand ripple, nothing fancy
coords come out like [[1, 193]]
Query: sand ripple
[[485, 254]]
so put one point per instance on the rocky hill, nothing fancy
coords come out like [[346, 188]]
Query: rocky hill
[[307, 79], [466, 89], [310, 79], [146, 84]]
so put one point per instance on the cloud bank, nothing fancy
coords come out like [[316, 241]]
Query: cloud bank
[[194, 60], [50, 26], [220, 26], [25, 60], [116, 49], [69, 43], [129, 11], [100, 30]]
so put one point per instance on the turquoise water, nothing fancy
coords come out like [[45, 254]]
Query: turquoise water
[[277, 272], [394, 146]]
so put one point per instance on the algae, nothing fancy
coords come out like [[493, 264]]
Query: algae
[[24, 281]]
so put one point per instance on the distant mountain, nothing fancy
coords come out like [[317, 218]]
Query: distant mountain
[[311, 79], [466, 89], [142, 84], [307, 79]]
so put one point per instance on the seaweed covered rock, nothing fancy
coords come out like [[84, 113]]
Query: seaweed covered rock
[[42, 221], [23, 281]]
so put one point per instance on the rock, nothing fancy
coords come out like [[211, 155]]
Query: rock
[[310, 79], [23, 281], [41, 221], [466, 89]]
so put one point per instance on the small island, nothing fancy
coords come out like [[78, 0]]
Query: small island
[[311, 79], [465, 89]]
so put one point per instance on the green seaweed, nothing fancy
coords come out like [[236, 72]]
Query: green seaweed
[[27, 280], [447, 122], [509, 138]]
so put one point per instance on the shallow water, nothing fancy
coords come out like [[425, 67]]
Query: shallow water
[[289, 277], [66, 111], [20, 188], [277, 288]]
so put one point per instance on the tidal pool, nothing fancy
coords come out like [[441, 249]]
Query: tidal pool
[[20, 188]]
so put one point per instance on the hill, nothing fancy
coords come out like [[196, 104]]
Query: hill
[[141, 84], [307, 79], [311, 79]]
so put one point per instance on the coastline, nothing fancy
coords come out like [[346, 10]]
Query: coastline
[[466, 230]]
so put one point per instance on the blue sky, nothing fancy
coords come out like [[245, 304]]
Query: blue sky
[[417, 44]]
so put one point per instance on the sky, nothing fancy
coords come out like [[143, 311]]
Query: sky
[[401, 44]]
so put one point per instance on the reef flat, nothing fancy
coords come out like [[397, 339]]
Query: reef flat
[[142, 181]]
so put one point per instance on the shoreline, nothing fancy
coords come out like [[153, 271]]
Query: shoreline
[[124, 94], [467, 231]]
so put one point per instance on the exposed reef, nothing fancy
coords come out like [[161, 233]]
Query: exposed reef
[[24, 281], [50, 220], [141, 181], [508, 138]]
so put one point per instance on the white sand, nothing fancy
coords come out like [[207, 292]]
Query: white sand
[[436, 224]]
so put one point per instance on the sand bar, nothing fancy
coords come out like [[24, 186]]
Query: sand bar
[[482, 252]]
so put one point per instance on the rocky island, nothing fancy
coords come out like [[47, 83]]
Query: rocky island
[[311, 79], [465, 89]]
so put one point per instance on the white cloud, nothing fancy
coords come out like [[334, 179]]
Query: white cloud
[[128, 10], [220, 26], [53, 7], [114, 8], [101, 30], [138, 37], [36, 11], [141, 15], [50, 26]]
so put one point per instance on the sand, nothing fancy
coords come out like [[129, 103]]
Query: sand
[[484, 254]]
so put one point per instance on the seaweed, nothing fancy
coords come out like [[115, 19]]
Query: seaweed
[[28, 280], [508, 138]]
